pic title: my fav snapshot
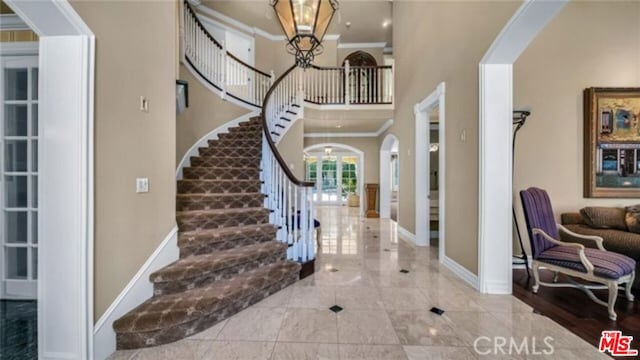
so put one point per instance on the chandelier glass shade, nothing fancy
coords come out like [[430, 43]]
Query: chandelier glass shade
[[305, 22]]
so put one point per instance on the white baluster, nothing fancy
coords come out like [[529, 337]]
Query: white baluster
[[347, 79]]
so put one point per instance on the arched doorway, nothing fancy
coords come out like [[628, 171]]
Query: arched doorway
[[363, 77], [389, 177], [338, 172]]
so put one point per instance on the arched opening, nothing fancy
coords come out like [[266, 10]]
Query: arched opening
[[363, 76], [338, 172], [389, 184]]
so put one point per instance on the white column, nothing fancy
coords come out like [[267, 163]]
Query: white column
[[495, 225], [422, 175]]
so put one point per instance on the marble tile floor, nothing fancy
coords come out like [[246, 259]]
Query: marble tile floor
[[18, 330], [385, 312]]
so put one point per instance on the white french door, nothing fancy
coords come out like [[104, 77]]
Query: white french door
[[335, 176], [19, 177]]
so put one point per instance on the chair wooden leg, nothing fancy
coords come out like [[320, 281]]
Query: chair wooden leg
[[627, 287], [536, 277], [613, 295]]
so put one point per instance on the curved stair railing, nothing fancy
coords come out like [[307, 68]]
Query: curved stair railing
[[221, 69], [290, 199]]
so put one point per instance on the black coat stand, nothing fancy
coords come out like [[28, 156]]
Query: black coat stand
[[519, 118]]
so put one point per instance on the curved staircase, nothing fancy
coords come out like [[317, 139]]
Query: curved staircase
[[229, 255]]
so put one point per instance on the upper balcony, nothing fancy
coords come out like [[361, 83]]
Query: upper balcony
[[344, 87]]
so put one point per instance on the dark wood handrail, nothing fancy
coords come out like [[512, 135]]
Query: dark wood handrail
[[351, 67], [210, 37], [272, 145]]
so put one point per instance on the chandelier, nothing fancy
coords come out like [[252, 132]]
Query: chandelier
[[305, 23]]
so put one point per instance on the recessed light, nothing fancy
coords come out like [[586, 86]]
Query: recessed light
[[338, 126], [386, 23]]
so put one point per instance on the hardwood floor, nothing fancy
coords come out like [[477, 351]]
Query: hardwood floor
[[572, 309]]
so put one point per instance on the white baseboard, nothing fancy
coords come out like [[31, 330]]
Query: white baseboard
[[406, 234], [138, 290], [462, 272], [212, 135], [497, 288]]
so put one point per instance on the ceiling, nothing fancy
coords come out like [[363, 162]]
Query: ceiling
[[366, 18], [344, 121]]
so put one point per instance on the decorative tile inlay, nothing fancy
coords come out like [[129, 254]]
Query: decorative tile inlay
[[436, 310], [404, 271], [336, 308]]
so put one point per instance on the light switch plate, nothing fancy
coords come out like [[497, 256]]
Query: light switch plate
[[142, 185], [144, 104]]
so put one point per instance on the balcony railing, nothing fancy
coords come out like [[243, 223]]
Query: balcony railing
[[218, 67]]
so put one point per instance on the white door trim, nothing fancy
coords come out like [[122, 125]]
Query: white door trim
[[65, 262], [495, 153], [421, 111], [385, 175]]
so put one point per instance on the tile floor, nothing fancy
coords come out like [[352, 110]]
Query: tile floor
[[18, 330], [385, 312]]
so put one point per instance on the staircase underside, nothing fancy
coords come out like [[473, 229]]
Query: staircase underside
[[229, 257]]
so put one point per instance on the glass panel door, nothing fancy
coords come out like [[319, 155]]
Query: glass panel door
[[329, 183], [349, 176], [18, 195]]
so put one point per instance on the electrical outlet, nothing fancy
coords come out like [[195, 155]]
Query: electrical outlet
[[142, 185], [144, 104]]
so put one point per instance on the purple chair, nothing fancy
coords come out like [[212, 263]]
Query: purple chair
[[603, 269]]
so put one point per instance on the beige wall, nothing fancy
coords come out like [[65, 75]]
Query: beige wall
[[447, 41], [130, 143], [368, 145], [291, 147], [377, 53], [273, 55], [206, 112], [569, 55]]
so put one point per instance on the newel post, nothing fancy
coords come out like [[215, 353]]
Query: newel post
[[347, 85]]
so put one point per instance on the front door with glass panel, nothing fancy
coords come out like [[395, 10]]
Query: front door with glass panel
[[19, 194]]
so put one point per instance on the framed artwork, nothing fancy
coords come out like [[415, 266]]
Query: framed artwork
[[612, 143]]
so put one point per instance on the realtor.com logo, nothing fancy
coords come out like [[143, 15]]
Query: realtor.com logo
[[500, 345], [616, 344]]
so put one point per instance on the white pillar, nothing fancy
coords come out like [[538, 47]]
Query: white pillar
[[496, 109]]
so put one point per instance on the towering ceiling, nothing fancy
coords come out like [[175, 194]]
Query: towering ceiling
[[365, 18]]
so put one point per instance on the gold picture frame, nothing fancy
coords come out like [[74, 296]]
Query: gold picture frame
[[611, 143]]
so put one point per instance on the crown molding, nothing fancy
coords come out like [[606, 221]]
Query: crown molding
[[364, 45], [340, 135], [12, 22], [205, 11], [387, 124]]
